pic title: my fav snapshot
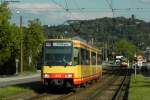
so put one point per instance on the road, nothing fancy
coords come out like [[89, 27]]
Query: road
[[19, 79]]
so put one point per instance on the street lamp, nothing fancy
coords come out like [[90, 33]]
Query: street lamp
[[21, 44]]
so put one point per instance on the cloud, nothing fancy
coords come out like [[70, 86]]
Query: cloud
[[55, 14], [87, 16], [63, 16], [78, 15], [56, 11], [37, 7]]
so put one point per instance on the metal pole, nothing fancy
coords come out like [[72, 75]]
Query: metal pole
[[21, 46], [135, 71], [17, 66], [106, 48]]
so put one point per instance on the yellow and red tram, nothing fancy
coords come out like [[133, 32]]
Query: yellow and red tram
[[70, 63], [124, 64]]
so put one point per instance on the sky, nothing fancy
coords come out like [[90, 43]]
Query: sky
[[55, 12]]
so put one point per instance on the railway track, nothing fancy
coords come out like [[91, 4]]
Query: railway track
[[82, 94], [116, 90], [96, 91], [93, 91], [104, 90], [42, 94], [120, 93], [51, 96]]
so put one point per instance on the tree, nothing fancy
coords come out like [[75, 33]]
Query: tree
[[4, 33], [126, 48], [9, 35], [33, 42], [10, 39]]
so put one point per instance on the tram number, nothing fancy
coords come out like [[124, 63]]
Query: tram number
[[56, 75]]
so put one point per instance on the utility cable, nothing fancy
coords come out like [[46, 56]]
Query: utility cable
[[80, 9], [110, 6], [67, 8]]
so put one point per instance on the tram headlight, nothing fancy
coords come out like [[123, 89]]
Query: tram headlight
[[68, 75], [46, 75]]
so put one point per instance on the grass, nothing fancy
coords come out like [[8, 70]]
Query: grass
[[139, 88], [6, 92]]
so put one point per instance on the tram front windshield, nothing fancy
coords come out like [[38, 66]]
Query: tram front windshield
[[58, 54]]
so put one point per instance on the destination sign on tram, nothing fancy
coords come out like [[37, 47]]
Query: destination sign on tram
[[49, 44]]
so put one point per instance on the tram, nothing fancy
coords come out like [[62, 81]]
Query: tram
[[69, 62]]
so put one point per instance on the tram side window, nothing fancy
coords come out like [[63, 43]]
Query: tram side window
[[76, 56], [99, 61], [93, 57], [85, 58]]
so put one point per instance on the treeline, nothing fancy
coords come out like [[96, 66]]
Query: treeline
[[117, 36], [121, 35], [11, 38]]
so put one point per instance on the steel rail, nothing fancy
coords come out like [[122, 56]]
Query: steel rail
[[60, 97], [122, 85], [100, 91]]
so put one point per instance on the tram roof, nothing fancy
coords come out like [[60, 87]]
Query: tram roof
[[76, 41]]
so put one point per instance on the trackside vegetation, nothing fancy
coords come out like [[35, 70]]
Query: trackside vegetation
[[10, 91], [12, 36], [139, 88]]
